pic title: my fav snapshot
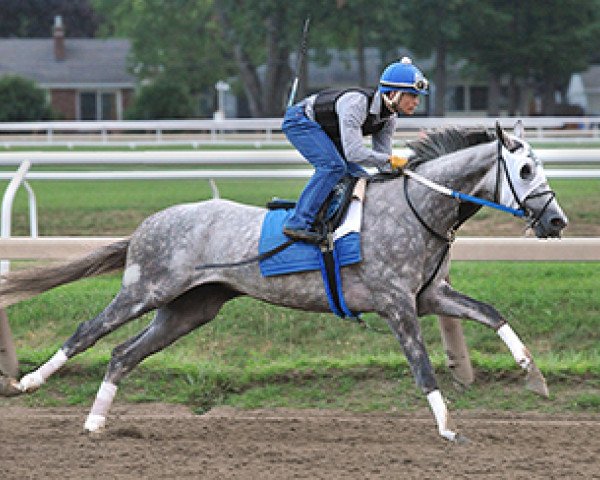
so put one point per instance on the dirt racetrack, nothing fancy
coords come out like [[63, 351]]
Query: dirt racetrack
[[153, 441]]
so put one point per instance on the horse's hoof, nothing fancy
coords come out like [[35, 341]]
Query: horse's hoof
[[453, 436], [536, 382], [460, 439], [94, 424], [9, 387], [31, 382], [460, 386]]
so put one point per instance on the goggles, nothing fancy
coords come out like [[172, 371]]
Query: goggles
[[421, 84]]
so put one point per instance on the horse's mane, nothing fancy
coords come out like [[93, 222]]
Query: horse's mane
[[435, 143]]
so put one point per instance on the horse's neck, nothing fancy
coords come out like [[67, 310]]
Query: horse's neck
[[470, 171]]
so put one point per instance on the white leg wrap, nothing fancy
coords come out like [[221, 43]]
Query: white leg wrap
[[516, 347], [35, 379], [94, 423], [104, 398], [440, 412]]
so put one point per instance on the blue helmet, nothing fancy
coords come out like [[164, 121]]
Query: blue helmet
[[403, 76]]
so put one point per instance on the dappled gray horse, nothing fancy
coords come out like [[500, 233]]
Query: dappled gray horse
[[406, 231]]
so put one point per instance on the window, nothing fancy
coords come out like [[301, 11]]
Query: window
[[97, 105], [479, 97], [455, 97], [109, 106], [87, 106]]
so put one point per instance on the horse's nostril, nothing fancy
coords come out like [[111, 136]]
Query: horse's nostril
[[558, 222]]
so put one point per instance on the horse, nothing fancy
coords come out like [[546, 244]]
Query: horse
[[406, 232]]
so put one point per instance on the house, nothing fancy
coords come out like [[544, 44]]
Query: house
[[584, 90], [85, 78]]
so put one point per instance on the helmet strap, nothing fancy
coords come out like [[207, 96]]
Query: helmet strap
[[392, 100]]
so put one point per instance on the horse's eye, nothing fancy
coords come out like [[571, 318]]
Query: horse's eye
[[526, 171]]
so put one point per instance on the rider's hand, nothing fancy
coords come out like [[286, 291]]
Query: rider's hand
[[397, 163]]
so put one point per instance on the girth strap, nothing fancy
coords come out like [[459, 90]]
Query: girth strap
[[332, 280]]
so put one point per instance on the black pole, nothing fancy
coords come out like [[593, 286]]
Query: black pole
[[299, 60]]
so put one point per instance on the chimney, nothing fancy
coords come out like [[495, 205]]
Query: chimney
[[59, 38]]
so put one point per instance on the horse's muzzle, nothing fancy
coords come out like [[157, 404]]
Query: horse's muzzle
[[550, 225]]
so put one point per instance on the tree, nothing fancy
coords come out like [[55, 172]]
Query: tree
[[174, 39], [254, 41], [163, 99], [357, 25], [261, 36], [434, 28], [35, 18], [21, 101], [558, 38], [536, 45]]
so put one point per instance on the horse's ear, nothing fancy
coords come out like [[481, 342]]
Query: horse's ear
[[519, 130], [500, 134], [503, 137]]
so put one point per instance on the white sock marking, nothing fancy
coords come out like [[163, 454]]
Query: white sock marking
[[35, 379], [104, 398], [516, 347], [440, 412]]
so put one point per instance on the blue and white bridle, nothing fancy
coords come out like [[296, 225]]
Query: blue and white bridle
[[523, 174]]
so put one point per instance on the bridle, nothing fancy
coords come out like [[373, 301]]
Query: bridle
[[533, 219], [467, 210], [465, 213]]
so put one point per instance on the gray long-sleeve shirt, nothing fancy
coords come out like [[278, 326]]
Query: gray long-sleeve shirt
[[351, 108]]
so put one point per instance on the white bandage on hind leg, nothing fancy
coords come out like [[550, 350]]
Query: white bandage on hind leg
[[516, 347], [35, 379], [104, 398], [440, 412]]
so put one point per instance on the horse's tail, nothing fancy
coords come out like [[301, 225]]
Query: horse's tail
[[22, 284]]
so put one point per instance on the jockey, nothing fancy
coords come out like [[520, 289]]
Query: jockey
[[328, 128]]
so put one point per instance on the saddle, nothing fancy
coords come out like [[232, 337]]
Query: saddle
[[330, 216]]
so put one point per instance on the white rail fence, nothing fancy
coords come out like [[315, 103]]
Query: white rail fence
[[576, 249], [284, 157], [258, 131]]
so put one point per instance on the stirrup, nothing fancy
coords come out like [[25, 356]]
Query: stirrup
[[303, 235]]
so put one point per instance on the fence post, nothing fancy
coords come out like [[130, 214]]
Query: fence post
[[9, 365], [455, 346]]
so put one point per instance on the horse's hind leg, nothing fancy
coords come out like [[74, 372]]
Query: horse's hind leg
[[194, 308], [123, 308], [444, 300]]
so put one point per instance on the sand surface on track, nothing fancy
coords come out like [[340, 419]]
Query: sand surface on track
[[157, 441]]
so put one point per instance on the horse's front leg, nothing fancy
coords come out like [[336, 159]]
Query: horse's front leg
[[444, 300], [400, 314]]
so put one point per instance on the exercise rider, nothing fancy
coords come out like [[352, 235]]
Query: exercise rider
[[328, 129]]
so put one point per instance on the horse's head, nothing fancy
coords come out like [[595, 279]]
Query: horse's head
[[522, 183]]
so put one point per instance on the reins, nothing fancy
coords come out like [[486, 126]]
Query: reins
[[448, 239], [248, 261]]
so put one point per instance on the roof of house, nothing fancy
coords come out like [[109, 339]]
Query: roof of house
[[88, 62]]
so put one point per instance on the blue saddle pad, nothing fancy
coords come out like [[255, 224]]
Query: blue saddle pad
[[300, 256]]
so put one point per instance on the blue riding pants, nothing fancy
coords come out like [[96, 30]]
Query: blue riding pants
[[330, 167]]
